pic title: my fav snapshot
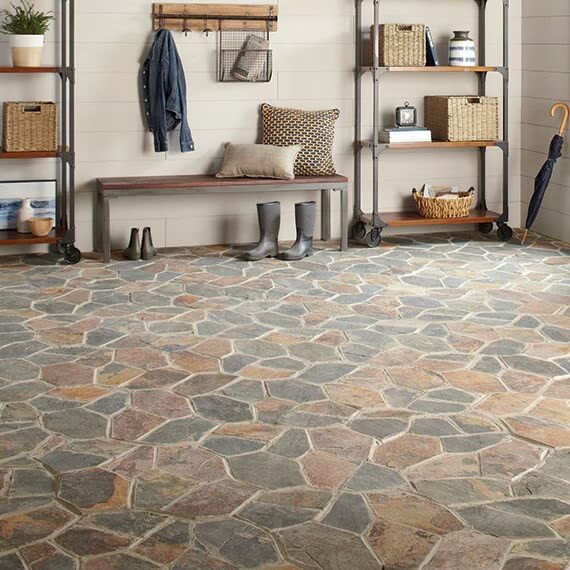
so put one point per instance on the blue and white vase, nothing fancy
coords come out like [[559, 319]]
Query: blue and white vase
[[462, 50]]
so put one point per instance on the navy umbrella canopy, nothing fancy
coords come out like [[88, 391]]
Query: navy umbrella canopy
[[543, 178]]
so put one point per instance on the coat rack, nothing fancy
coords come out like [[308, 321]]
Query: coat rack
[[214, 17]]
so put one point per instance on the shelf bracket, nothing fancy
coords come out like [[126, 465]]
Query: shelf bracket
[[504, 146], [504, 71], [67, 73]]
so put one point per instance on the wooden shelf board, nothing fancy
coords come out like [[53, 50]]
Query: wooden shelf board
[[42, 69], [403, 219], [11, 237], [436, 144], [437, 69], [29, 155]]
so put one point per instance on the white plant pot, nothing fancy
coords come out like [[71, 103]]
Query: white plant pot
[[27, 50]]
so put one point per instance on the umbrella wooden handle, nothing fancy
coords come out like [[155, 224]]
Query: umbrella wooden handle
[[566, 113]]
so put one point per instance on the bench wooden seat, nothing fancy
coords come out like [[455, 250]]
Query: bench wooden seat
[[110, 188]]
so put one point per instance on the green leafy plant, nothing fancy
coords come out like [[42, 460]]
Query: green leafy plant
[[24, 19]]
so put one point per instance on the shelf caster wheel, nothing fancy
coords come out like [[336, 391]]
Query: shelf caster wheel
[[359, 231], [374, 238], [486, 228], [504, 233], [71, 254]]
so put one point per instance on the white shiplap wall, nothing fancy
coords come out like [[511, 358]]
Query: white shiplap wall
[[314, 52], [546, 79]]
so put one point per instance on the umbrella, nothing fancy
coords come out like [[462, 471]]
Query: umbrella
[[543, 179]]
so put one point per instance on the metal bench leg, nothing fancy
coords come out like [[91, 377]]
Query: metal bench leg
[[326, 214], [105, 222], [343, 218]]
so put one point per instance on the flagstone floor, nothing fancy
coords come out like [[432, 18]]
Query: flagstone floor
[[398, 408]]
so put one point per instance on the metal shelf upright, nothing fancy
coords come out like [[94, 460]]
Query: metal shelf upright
[[369, 227], [64, 234]]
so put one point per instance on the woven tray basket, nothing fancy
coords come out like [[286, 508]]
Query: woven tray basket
[[30, 127], [444, 209], [401, 45], [462, 118]]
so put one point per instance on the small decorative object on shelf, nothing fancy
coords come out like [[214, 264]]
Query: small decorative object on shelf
[[406, 135], [462, 50], [30, 127], [25, 214], [26, 27], [40, 227], [432, 59], [406, 116], [446, 204]]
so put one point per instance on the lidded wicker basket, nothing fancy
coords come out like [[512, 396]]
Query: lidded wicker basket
[[462, 118], [438, 208], [30, 127], [401, 45]]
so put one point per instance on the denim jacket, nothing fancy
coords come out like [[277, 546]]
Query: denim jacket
[[164, 89]]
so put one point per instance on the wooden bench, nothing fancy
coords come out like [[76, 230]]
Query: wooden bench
[[108, 188]]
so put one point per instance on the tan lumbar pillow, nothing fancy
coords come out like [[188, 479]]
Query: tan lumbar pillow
[[259, 161]]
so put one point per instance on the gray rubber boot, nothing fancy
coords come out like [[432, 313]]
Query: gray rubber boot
[[305, 214], [133, 251], [269, 215], [148, 251]]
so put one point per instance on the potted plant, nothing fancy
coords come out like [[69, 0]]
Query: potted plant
[[26, 27]]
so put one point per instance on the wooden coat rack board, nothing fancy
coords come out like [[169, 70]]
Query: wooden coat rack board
[[214, 17]]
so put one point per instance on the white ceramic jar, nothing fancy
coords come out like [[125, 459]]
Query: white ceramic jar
[[25, 213], [462, 50], [27, 50]]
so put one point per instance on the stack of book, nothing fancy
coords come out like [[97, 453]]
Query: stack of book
[[405, 135]]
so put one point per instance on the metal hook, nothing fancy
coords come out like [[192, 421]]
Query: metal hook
[[185, 23], [208, 29]]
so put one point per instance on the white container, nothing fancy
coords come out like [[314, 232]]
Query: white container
[[27, 50], [462, 50], [25, 213]]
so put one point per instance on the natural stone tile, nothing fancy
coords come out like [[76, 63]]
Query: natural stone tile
[[203, 383], [119, 562], [349, 512], [483, 551], [212, 499], [11, 562], [433, 426], [411, 510], [159, 378], [145, 358], [222, 408], [414, 378], [556, 548], [341, 442], [557, 464], [355, 396], [552, 410], [77, 423], [522, 381], [474, 424], [178, 431], [133, 463], [524, 563], [131, 424], [445, 466], [167, 544], [407, 450], [502, 524], [229, 446], [458, 491], [240, 543], [379, 428], [311, 544], [293, 443], [194, 363], [23, 528], [507, 460], [400, 547], [471, 381], [247, 390], [69, 375], [327, 372], [273, 517], [538, 430], [128, 522], [199, 559], [433, 407], [534, 366], [155, 489], [562, 527], [27, 482], [256, 431], [161, 403], [543, 509], [93, 489], [369, 478], [468, 443], [313, 352], [191, 463], [89, 541], [541, 485], [296, 391], [266, 470], [300, 498], [326, 471], [61, 460], [499, 405]]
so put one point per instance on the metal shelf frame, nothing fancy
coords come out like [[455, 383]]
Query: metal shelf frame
[[64, 234], [376, 221]]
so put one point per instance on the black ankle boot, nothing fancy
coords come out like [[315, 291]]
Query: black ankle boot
[[133, 252], [305, 213], [269, 216], [148, 250]]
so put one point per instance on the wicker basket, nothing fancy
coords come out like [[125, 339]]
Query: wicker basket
[[30, 127], [401, 45], [462, 118], [444, 209]]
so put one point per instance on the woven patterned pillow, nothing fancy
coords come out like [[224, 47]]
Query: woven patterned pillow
[[313, 130]]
